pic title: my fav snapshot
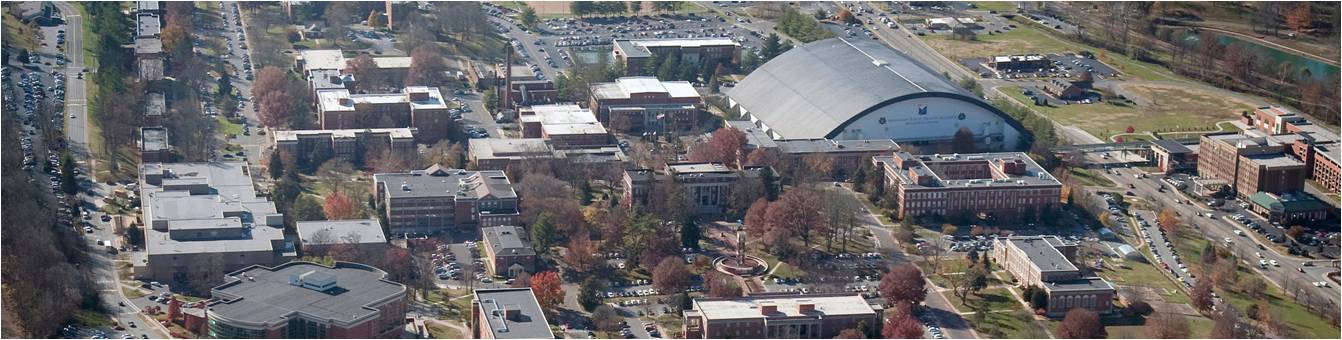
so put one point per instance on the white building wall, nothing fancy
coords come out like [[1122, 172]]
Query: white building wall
[[932, 119]]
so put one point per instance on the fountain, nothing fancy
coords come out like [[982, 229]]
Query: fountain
[[739, 263]]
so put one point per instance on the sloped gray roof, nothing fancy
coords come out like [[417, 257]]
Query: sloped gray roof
[[814, 89]]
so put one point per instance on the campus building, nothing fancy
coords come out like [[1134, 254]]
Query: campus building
[[304, 300], [203, 219], [708, 186], [566, 126], [845, 155], [318, 64], [154, 145], [438, 198], [364, 236], [1250, 164], [635, 54], [154, 106], [1021, 63], [1288, 208], [344, 143], [508, 313], [645, 104], [778, 316], [507, 251], [500, 153], [1172, 156], [1046, 262], [862, 90], [1008, 184], [419, 107]]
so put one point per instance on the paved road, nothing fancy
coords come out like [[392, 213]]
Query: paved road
[[107, 280], [255, 143], [1286, 276]]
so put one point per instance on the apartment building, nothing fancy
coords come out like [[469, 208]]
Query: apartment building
[[305, 300], [202, 219], [419, 107], [508, 313], [344, 143], [645, 104], [635, 54], [508, 253], [1007, 184], [438, 199], [778, 316], [1046, 262]]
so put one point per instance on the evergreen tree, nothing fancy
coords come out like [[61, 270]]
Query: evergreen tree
[[276, 165]]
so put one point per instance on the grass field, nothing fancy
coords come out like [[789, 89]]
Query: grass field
[[90, 318], [1090, 178], [1009, 325], [992, 298], [1158, 108], [1135, 274], [17, 34], [443, 332], [1022, 40], [1000, 6]]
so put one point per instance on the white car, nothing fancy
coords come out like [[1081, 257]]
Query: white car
[[1274, 263]]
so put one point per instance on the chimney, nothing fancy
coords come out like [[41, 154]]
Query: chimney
[[419, 95], [806, 308], [768, 309], [506, 96], [346, 102], [511, 312]]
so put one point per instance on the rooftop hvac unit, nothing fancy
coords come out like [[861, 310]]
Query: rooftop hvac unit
[[879, 63]]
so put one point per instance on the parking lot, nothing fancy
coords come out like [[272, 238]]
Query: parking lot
[[1065, 65]]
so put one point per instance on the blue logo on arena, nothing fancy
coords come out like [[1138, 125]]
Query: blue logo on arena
[[922, 110], [962, 116]]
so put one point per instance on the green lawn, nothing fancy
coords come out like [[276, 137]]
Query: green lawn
[[1136, 274], [1090, 178], [443, 332], [17, 34], [992, 298], [1000, 6], [132, 293], [88, 318], [1022, 40], [1009, 325], [1161, 108], [229, 128]]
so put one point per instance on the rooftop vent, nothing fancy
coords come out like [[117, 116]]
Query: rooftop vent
[[879, 63]]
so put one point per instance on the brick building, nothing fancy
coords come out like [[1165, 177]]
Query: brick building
[[499, 153], [566, 126], [1008, 184], [634, 54], [1021, 63], [508, 313], [438, 199], [1046, 262], [1172, 156], [708, 186], [304, 300], [1288, 208], [317, 238], [1250, 164], [778, 316], [419, 107], [645, 104], [344, 143], [154, 145], [507, 252]]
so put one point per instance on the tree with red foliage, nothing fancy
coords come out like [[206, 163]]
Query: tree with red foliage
[[338, 206], [850, 333], [396, 262], [365, 72], [1168, 220], [426, 66], [1081, 323], [581, 254], [1300, 17], [546, 286], [1130, 129], [904, 283], [720, 285], [728, 144], [763, 157], [756, 219], [796, 211], [1202, 295], [902, 327], [273, 101], [670, 275]]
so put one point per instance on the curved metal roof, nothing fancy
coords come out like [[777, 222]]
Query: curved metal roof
[[815, 89]]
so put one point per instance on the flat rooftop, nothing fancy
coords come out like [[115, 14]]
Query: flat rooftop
[[755, 137], [1171, 146], [507, 240], [322, 59], [364, 231], [229, 197], [788, 306], [512, 313], [639, 48], [259, 294], [565, 119], [147, 25], [494, 148], [155, 104], [691, 168], [928, 165], [148, 45], [623, 87], [802, 146], [1275, 161], [1082, 284], [444, 182], [337, 100], [1042, 252], [151, 68], [1319, 133], [294, 135], [153, 139]]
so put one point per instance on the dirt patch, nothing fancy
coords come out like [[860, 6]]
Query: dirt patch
[[1153, 297]]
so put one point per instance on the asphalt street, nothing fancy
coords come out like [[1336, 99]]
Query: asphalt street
[[1286, 276]]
